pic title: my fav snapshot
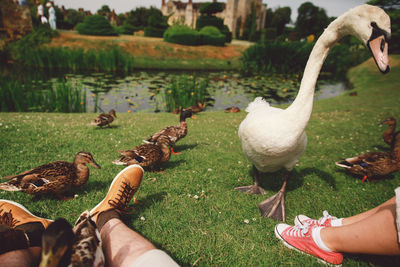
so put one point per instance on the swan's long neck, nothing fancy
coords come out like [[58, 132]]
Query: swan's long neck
[[302, 106]]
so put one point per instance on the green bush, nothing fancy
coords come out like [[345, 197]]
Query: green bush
[[151, 31], [96, 25], [182, 34], [203, 21], [211, 8], [210, 35], [228, 34]]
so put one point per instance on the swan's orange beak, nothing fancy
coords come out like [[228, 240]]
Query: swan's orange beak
[[379, 50]]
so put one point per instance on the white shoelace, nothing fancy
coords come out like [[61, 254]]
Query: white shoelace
[[325, 217], [299, 230]]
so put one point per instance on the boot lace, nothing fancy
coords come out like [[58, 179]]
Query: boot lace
[[6, 218], [124, 195]]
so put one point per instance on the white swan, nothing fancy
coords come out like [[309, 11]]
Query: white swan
[[274, 138]]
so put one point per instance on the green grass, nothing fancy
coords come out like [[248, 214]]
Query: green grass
[[210, 231]]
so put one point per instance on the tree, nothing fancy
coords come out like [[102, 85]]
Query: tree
[[311, 20], [280, 18], [104, 10], [210, 8]]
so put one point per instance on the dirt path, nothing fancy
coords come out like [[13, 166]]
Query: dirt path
[[151, 47]]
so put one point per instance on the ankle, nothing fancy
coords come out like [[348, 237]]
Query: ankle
[[325, 235], [106, 216]]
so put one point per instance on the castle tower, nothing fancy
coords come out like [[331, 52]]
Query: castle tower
[[189, 14]]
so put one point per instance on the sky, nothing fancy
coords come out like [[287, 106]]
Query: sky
[[333, 8]]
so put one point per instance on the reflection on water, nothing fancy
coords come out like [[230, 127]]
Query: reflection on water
[[143, 91]]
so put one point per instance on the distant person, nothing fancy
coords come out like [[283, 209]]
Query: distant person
[[52, 15], [40, 12]]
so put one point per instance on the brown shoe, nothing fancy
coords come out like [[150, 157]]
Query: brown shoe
[[121, 191], [14, 214]]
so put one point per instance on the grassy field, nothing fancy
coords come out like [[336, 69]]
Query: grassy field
[[154, 53], [221, 227]]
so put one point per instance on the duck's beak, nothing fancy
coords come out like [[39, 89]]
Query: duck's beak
[[94, 164], [379, 50]]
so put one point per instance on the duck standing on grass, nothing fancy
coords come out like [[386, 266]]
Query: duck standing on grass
[[274, 138], [53, 178], [174, 133], [374, 164], [388, 135], [147, 155], [105, 119]]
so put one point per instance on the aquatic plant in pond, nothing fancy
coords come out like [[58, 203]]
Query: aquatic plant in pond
[[110, 60], [41, 97], [185, 91]]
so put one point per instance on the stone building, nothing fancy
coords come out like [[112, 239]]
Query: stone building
[[235, 13]]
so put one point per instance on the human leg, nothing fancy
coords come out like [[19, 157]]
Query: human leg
[[121, 245], [21, 257]]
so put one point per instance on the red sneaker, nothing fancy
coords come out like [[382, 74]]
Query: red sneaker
[[300, 238], [325, 220]]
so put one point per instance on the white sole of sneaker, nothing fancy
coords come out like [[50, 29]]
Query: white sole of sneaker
[[115, 178], [23, 208], [302, 252]]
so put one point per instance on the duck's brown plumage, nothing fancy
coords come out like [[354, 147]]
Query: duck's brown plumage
[[174, 133], [196, 108], [105, 119], [388, 135], [232, 110], [52, 178], [374, 164], [147, 155]]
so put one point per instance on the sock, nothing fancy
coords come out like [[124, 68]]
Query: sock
[[316, 235], [105, 216], [336, 222], [34, 231]]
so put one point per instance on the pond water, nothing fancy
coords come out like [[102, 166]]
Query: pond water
[[143, 91]]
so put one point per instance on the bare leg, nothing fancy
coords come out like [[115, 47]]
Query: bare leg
[[21, 258], [122, 245], [362, 216], [375, 234]]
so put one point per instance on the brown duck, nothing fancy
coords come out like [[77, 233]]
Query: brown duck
[[388, 135], [174, 133], [53, 178], [374, 164], [147, 155], [105, 119], [232, 110], [196, 108]]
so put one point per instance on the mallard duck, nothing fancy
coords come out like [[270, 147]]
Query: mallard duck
[[374, 164], [79, 246], [87, 247], [57, 242], [390, 132], [232, 109], [274, 138], [174, 133], [52, 178], [196, 108], [147, 155], [105, 119]]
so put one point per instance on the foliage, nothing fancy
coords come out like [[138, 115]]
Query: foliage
[[104, 10], [182, 34], [185, 91], [311, 20], [210, 35], [139, 17], [157, 24], [203, 21], [392, 8], [71, 19], [210, 8], [96, 25], [291, 57], [78, 59], [280, 18], [64, 97]]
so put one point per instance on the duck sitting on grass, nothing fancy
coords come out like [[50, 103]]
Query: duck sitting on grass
[[53, 178], [374, 164], [174, 133], [147, 155], [105, 119]]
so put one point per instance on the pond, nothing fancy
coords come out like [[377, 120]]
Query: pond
[[144, 91]]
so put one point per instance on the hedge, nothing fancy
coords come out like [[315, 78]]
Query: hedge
[[96, 25]]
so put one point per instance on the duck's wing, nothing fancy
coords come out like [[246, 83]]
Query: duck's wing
[[43, 186], [167, 131], [149, 153]]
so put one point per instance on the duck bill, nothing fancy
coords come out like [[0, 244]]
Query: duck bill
[[379, 50], [94, 164]]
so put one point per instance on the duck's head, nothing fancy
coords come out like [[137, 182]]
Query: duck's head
[[84, 157], [57, 244], [372, 26], [389, 121], [186, 113], [113, 113]]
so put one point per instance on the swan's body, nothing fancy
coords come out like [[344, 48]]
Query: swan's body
[[274, 138]]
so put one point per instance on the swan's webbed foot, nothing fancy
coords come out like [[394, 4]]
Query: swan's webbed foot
[[274, 207], [251, 189]]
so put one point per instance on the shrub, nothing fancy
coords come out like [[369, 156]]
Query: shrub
[[203, 21], [182, 34], [211, 8], [228, 34], [96, 25], [210, 35], [151, 31]]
